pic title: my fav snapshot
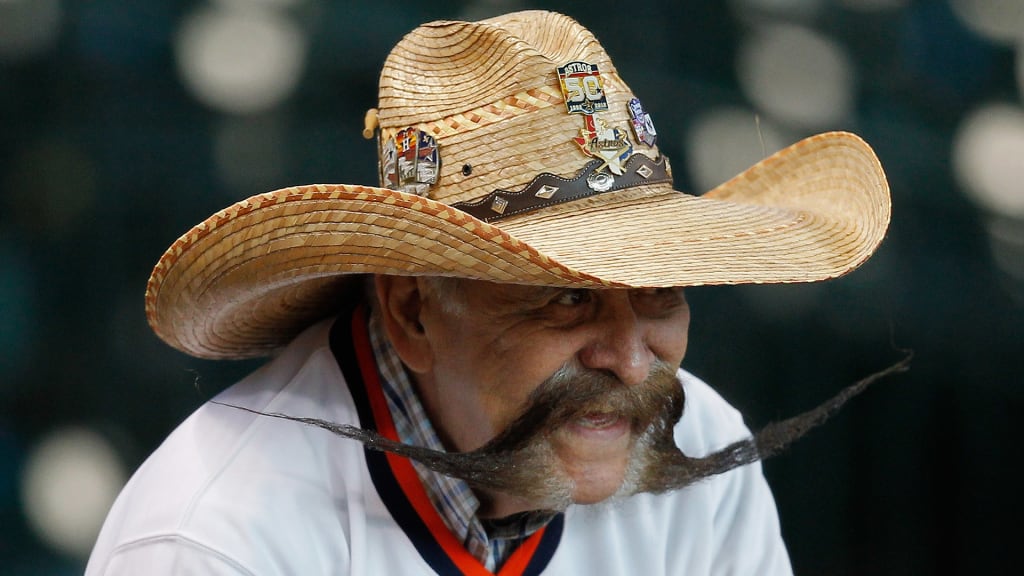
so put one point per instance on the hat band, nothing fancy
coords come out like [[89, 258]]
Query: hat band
[[548, 189]]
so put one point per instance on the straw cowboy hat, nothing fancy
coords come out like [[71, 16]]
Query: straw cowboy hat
[[511, 150]]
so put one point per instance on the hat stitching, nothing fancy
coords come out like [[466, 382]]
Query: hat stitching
[[520, 103]]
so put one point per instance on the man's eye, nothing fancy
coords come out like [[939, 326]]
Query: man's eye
[[573, 297]]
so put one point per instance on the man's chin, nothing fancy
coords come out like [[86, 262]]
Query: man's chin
[[556, 483], [594, 484], [596, 463]]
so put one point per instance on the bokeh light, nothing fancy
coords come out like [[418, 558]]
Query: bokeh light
[[240, 58], [724, 141], [274, 4], [28, 27], [988, 158], [69, 482], [791, 9], [797, 76], [997, 20]]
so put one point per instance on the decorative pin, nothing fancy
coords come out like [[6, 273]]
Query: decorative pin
[[643, 126], [388, 166], [428, 162], [611, 145], [546, 191], [600, 181], [584, 94], [409, 161], [499, 204], [582, 88]]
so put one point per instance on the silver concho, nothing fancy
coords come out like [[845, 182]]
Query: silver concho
[[600, 181]]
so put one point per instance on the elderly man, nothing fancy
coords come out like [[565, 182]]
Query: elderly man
[[500, 324]]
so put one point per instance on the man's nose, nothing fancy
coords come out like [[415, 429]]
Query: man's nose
[[619, 342]]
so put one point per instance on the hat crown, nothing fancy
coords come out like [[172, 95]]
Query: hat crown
[[489, 93], [446, 67]]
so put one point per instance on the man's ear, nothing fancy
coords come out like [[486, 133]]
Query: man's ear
[[400, 308]]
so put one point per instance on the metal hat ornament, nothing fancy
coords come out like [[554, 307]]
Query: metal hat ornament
[[511, 150]]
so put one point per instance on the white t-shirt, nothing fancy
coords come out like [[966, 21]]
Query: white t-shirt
[[232, 493]]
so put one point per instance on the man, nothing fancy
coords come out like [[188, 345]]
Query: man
[[500, 325]]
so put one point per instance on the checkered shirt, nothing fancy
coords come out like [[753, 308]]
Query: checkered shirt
[[454, 500]]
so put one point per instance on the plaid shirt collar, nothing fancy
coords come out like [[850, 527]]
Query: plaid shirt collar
[[452, 498]]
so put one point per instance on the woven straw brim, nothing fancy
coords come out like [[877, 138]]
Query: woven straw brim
[[246, 280]]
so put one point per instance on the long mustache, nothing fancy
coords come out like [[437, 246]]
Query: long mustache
[[677, 470], [570, 393], [549, 407], [574, 392]]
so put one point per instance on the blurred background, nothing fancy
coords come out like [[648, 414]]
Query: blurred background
[[125, 122]]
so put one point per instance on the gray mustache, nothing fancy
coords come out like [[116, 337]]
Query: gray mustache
[[565, 397]]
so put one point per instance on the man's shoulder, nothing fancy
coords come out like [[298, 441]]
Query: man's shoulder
[[303, 381], [709, 421], [223, 463]]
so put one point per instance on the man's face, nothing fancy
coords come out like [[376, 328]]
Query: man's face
[[494, 344]]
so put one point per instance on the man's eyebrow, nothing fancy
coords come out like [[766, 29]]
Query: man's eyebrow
[[524, 294]]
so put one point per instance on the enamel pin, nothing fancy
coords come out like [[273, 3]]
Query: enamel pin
[[611, 145], [643, 127], [584, 94], [388, 166], [409, 161], [582, 88]]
